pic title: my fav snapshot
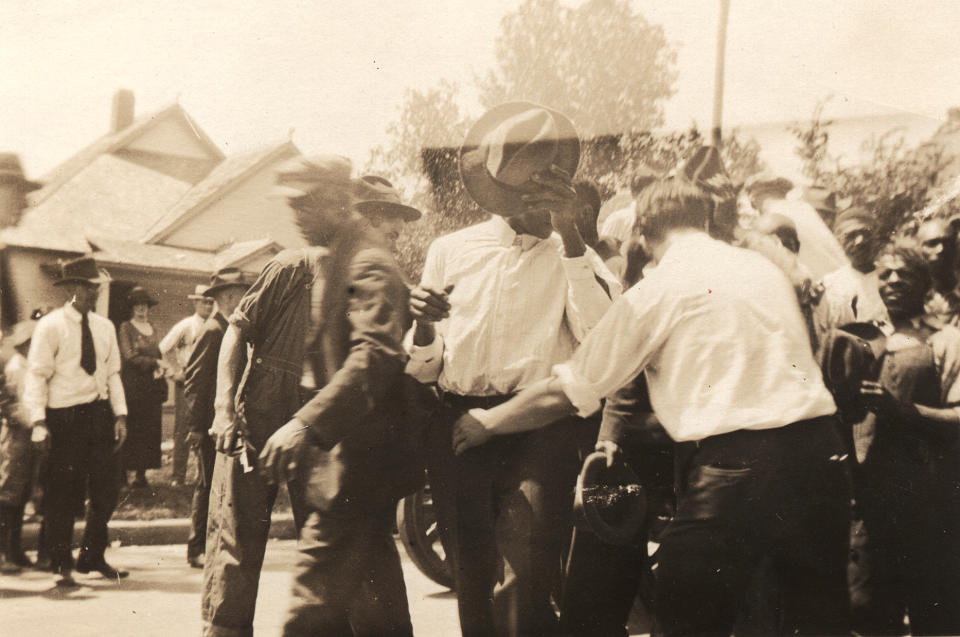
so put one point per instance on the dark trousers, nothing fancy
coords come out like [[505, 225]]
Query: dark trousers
[[82, 461], [349, 580], [237, 531], [206, 457], [181, 450], [510, 498], [781, 495]]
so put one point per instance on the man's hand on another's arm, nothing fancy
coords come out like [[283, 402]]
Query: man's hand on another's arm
[[280, 457]]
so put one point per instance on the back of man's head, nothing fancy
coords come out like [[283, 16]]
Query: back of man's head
[[671, 204]]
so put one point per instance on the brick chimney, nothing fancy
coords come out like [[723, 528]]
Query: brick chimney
[[123, 108], [13, 188]]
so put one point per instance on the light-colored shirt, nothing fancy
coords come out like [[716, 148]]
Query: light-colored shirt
[[719, 332], [517, 308], [849, 296], [54, 376], [15, 376], [181, 338], [619, 225]]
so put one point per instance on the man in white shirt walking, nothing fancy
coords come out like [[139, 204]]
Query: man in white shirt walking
[[75, 402], [718, 331], [498, 304], [176, 348]]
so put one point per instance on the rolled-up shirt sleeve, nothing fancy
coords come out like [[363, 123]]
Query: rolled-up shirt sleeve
[[426, 361], [591, 289], [618, 348], [252, 314]]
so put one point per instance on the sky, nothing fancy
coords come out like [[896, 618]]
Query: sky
[[335, 72]]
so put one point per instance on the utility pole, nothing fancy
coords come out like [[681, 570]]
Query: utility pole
[[718, 75]]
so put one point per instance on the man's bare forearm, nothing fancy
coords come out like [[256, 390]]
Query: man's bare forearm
[[537, 406], [232, 353]]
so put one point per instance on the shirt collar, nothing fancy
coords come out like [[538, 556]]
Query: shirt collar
[[683, 244], [508, 237]]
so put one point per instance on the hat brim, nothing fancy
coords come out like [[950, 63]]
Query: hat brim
[[626, 531], [211, 291], [197, 297], [285, 192], [491, 195], [405, 212], [75, 279]]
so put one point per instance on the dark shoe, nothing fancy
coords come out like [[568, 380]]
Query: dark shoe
[[139, 483], [195, 561], [85, 565], [65, 579], [8, 566]]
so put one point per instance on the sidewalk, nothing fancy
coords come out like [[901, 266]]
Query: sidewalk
[[152, 532]]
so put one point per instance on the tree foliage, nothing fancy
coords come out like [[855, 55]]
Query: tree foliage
[[895, 183], [601, 64]]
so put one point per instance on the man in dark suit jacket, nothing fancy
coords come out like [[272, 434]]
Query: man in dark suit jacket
[[227, 286], [326, 325]]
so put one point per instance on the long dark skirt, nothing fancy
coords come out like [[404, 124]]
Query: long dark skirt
[[144, 410]]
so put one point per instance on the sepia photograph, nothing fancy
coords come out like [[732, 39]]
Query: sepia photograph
[[520, 318]]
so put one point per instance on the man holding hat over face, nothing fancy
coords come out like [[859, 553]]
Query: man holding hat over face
[[499, 303], [319, 403], [227, 286], [75, 402], [175, 349]]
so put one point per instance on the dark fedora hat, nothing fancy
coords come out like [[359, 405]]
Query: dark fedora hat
[[610, 500], [377, 195], [10, 170], [139, 295], [507, 146], [226, 278], [80, 270]]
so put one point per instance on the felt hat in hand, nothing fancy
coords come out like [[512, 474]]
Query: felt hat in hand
[[610, 500], [507, 146]]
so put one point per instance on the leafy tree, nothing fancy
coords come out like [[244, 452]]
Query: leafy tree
[[895, 182], [421, 160]]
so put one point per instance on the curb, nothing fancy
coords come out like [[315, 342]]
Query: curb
[[144, 532]]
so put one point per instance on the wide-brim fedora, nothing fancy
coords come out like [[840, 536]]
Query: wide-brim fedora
[[561, 147], [141, 296], [80, 270], [227, 278], [610, 500], [378, 195]]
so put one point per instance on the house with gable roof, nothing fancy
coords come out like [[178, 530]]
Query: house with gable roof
[[157, 204]]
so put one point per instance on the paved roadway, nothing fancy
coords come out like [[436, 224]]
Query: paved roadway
[[162, 597]]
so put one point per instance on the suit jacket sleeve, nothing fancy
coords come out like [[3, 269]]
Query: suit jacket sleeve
[[377, 313], [200, 382]]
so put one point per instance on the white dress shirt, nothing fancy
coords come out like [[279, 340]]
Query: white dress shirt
[[719, 331], [849, 296], [54, 376], [517, 308], [182, 337]]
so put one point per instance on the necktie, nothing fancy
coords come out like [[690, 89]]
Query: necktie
[[88, 355]]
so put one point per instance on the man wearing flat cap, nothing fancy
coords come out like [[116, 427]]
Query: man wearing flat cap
[[499, 303], [75, 402], [318, 407], [175, 348]]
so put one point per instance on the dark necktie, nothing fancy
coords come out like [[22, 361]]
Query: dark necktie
[[88, 355]]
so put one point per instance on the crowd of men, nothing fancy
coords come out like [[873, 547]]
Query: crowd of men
[[803, 385]]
